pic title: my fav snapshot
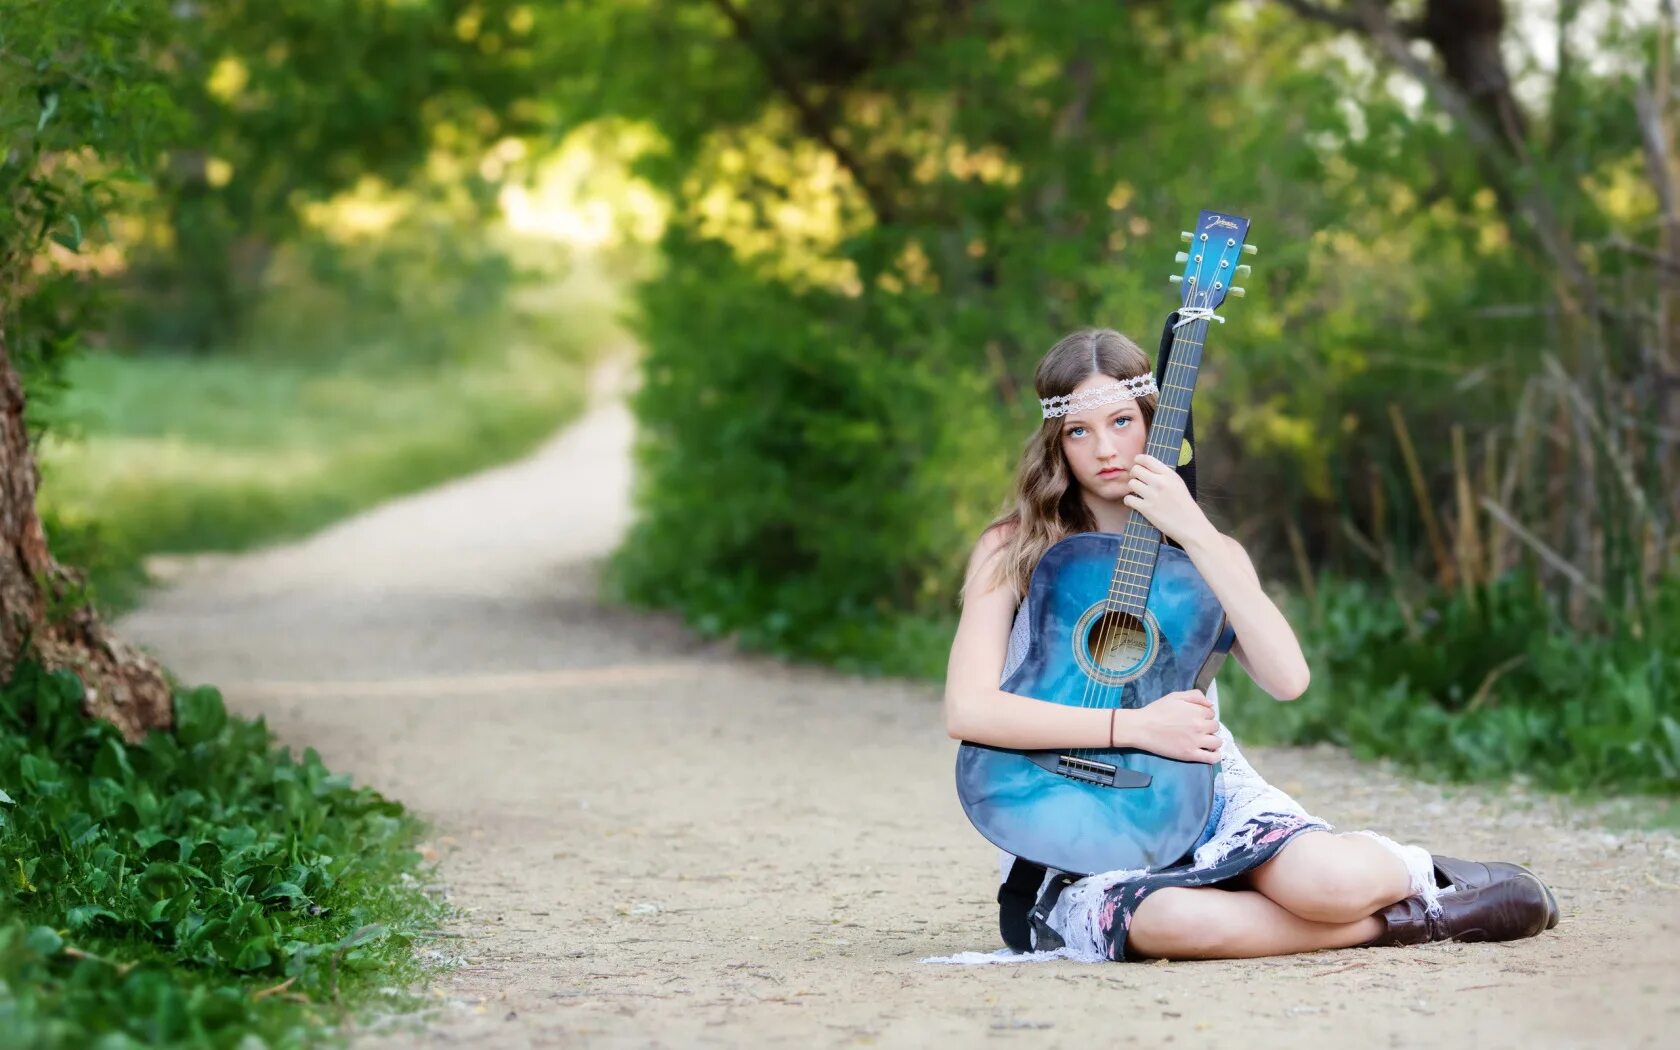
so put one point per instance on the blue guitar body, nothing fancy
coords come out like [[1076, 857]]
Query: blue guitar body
[[1094, 810]]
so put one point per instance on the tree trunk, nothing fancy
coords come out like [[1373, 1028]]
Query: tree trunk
[[39, 610], [1466, 34]]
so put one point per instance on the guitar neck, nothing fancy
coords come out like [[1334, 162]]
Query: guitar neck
[[1140, 546]]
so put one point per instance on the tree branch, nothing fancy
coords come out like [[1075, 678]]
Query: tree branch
[[1496, 154], [1517, 192], [811, 119], [1316, 13], [1344, 20]]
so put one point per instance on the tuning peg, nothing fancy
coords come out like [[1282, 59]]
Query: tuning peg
[[1238, 291], [1244, 270], [1249, 249], [1176, 278], [1186, 236], [1181, 257]]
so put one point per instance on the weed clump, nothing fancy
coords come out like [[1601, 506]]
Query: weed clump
[[195, 889]]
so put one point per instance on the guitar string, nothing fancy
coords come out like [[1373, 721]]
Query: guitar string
[[1189, 347], [1105, 695], [1112, 695], [1134, 548], [1143, 541], [1097, 691], [1101, 695], [1135, 545]]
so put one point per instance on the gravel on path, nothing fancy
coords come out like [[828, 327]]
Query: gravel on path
[[659, 842]]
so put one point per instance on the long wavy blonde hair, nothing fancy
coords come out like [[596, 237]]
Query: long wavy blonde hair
[[1048, 505]]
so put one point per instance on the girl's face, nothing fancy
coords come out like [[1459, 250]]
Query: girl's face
[[1100, 442]]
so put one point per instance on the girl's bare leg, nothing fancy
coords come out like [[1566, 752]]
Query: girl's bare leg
[[1330, 878], [1181, 922]]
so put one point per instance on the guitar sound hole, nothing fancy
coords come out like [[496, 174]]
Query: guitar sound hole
[[1118, 641]]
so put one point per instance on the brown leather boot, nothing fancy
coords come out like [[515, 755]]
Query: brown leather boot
[[1471, 874], [1507, 910]]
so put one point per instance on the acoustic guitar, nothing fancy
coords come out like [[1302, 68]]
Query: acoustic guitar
[[1118, 620]]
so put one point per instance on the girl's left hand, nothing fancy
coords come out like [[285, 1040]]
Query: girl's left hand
[[1160, 494]]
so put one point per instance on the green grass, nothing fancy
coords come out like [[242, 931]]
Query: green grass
[[200, 889], [171, 453], [1480, 686]]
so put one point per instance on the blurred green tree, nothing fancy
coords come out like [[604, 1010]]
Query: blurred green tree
[[81, 110], [924, 196], [288, 101]]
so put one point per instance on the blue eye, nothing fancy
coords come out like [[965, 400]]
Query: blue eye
[[1122, 420], [1075, 431]]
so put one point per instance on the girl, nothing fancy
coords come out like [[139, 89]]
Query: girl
[[1266, 877]]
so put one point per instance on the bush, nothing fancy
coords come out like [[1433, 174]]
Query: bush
[[808, 486], [151, 890], [1481, 684]]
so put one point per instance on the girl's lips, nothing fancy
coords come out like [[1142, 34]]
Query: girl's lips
[[1110, 472]]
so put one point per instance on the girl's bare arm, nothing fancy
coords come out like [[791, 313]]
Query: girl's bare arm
[[1266, 645]]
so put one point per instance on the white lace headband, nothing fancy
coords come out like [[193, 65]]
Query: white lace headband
[[1121, 390]]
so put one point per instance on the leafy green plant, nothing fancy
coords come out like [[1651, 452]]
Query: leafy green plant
[[787, 484], [880, 222], [84, 109], [191, 889], [1480, 684]]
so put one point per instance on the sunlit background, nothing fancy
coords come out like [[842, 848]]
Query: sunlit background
[[268, 264], [271, 263]]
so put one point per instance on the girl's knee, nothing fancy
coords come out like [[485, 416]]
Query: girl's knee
[[1175, 922], [1337, 888]]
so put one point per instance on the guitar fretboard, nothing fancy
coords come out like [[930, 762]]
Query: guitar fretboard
[[1140, 544]]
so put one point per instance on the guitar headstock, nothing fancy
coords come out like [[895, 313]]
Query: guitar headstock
[[1210, 263]]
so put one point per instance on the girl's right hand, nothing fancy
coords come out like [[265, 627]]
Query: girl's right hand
[[1179, 725]]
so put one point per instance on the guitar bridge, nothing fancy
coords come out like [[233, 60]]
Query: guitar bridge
[[1107, 774], [1078, 767], [1085, 769]]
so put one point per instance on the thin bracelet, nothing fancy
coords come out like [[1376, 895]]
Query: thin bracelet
[[1111, 713]]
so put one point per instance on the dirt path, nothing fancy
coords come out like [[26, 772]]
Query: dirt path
[[663, 843]]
